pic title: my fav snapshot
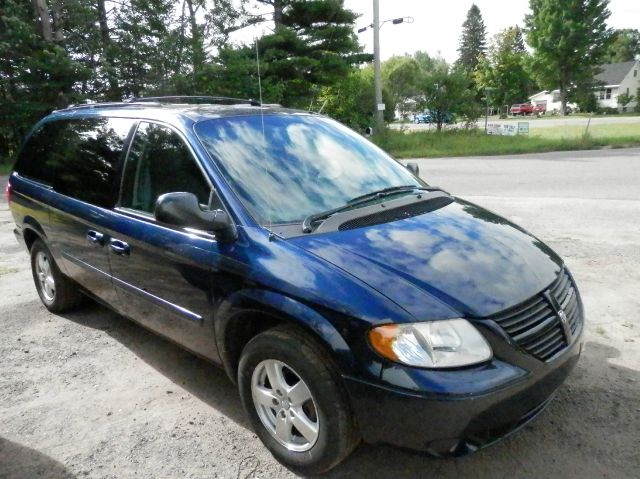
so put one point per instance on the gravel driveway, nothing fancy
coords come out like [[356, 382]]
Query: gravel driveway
[[90, 394]]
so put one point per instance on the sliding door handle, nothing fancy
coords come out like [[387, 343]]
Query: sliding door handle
[[119, 247], [95, 238]]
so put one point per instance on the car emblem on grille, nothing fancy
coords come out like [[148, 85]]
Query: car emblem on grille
[[565, 324], [560, 313]]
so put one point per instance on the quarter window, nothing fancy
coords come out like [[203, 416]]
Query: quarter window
[[79, 158], [159, 162]]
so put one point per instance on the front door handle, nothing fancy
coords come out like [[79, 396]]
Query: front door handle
[[119, 247], [95, 238]]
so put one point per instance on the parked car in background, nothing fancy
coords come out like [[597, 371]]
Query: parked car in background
[[540, 108], [347, 298], [422, 118], [521, 109], [446, 117]]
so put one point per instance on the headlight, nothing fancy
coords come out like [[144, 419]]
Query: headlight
[[431, 344]]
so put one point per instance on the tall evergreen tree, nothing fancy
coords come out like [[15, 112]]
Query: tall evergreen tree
[[473, 40], [37, 70], [569, 38], [518, 40], [312, 45]]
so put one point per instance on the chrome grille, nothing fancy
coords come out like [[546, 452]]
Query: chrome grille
[[536, 326]]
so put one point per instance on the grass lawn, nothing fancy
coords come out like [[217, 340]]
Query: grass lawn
[[610, 130], [430, 144]]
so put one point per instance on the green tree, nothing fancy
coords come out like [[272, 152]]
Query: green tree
[[37, 73], [313, 45], [427, 63], [350, 100], [624, 47], [569, 38], [473, 40], [400, 76], [502, 75], [446, 93], [584, 96]]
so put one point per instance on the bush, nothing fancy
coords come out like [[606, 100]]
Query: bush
[[587, 102]]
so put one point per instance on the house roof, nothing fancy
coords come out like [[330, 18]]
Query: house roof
[[614, 73], [543, 93]]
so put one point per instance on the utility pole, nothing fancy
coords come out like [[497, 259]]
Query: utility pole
[[376, 25], [379, 106]]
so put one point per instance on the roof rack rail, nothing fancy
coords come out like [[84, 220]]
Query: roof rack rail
[[80, 106], [225, 100]]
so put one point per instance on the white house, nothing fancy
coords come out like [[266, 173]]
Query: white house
[[615, 78], [549, 100]]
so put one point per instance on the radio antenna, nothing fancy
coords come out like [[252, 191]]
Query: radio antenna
[[259, 80], [264, 136]]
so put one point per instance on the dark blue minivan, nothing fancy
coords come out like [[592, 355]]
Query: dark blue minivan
[[348, 299]]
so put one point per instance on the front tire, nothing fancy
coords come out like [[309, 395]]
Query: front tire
[[57, 292], [295, 400]]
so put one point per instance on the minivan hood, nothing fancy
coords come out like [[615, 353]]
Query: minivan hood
[[475, 262]]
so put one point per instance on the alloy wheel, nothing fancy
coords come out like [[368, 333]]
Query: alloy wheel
[[285, 405]]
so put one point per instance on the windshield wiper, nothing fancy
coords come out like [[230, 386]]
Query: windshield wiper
[[307, 224], [386, 192]]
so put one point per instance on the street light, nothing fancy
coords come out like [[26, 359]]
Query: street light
[[376, 25]]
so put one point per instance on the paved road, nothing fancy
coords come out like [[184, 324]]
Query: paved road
[[541, 122], [92, 395]]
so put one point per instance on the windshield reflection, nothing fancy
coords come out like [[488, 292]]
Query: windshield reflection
[[303, 164]]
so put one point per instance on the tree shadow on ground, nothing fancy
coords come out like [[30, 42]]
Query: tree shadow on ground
[[20, 462], [199, 377]]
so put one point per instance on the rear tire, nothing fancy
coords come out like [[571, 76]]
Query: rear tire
[[56, 291], [302, 371]]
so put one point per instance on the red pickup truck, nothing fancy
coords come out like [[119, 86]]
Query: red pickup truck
[[522, 109]]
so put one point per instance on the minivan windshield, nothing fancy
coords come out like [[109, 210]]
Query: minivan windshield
[[287, 167]]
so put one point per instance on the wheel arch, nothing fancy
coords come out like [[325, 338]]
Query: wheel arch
[[250, 312], [32, 231]]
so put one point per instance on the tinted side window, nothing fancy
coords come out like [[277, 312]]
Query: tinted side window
[[34, 160], [158, 163], [79, 158]]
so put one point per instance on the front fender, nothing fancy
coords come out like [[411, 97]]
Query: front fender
[[281, 308]]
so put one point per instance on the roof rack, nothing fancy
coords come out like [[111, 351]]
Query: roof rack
[[225, 100]]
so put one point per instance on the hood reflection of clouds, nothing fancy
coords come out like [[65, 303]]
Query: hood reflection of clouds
[[469, 262]]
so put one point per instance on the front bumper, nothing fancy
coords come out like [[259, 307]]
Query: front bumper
[[473, 410]]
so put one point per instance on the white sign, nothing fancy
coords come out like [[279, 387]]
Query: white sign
[[508, 129], [381, 107], [523, 128]]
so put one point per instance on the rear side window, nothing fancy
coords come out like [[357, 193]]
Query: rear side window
[[159, 162], [34, 159], [79, 158]]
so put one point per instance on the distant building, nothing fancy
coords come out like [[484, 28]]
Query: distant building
[[615, 79], [549, 101]]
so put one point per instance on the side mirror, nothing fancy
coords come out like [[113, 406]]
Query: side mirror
[[183, 209], [412, 166]]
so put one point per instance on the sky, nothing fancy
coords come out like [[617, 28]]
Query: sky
[[437, 24]]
